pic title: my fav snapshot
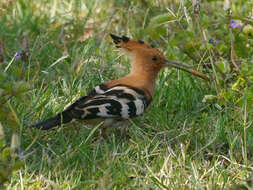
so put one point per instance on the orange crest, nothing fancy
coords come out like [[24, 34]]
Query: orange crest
[[145, 57]]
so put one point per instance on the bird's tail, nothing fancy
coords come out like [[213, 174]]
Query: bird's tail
[[57, 120]]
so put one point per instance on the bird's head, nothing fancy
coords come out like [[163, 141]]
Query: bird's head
[[146, 58], [143, 56]]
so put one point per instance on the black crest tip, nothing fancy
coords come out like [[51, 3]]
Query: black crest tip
[[125, 39], [115, 38]]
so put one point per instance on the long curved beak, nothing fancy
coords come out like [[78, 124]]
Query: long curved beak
[[186, 68]]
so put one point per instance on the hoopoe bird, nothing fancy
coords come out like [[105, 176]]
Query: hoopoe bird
[[119, 100]]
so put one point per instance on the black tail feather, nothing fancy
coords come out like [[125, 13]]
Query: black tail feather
[[48, 124], [59, 119]]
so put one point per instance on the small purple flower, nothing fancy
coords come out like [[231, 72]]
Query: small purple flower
[[235, 24], [213, 42], [21, 155], [19, 55]]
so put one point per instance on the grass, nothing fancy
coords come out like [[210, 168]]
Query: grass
[[180, 143]]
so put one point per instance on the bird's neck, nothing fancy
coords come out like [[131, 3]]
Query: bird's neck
[[143, 80], [142, 76]]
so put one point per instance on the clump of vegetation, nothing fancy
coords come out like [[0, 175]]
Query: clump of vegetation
[[196, 135]]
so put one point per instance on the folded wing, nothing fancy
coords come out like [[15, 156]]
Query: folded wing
[[120, 101]]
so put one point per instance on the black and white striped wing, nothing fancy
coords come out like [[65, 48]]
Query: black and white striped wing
[[119, 101]]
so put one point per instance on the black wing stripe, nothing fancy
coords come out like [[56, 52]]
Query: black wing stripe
[[102, 108], [121, 101], [76, 113], [120, 94], [132, 109], [103, 87], [92, 113], [137, 90], [103, 101]]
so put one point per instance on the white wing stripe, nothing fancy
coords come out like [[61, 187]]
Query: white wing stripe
[[103, 110], [139, 106], [124, 111], [99, 90]]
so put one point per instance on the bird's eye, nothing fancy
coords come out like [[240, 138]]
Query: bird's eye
[[154, 58]]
